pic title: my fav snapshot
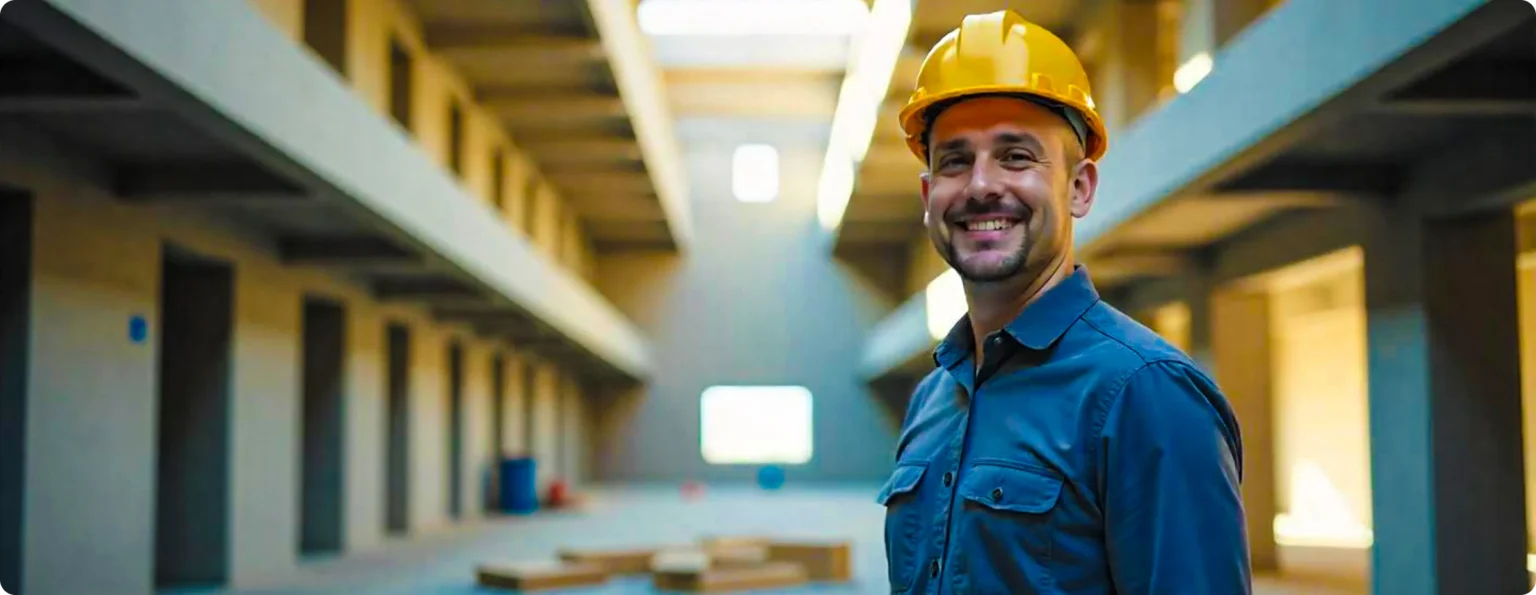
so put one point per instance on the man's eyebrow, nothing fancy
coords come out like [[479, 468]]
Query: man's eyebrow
[[951, 145], [1015, 138]]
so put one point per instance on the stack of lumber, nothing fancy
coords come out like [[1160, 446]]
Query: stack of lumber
[[713, 565]]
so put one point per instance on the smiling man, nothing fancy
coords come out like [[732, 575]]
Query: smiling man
[[1057, 446]]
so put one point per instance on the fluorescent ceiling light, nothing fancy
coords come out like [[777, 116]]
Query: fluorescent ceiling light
[[1192, 72], [752, 17], [858, 106]]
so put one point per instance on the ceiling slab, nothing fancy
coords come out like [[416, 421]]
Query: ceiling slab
[[574, 84]]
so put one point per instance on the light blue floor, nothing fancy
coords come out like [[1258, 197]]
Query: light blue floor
[[444, 563]]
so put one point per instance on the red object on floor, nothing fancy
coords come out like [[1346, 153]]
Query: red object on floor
[[692, 490], [559, 494]]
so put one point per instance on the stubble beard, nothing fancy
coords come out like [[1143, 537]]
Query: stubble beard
[[986, 273]]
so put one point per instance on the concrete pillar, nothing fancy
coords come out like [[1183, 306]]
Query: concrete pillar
[[1198, 289], [1123, 55], [1446, 454], [1208, 25], [15, 336], [1239, 339]]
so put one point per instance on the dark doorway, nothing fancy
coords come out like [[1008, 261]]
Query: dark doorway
[[397, 464], [325, 31], [455, 430], [15, 320], [498, 407], [192, 499], [557, 431], [530, 387], [400, 85], [320, 515], [455, 138], [498, 429]]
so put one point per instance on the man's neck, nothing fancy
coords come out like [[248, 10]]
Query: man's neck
[[993, 306]]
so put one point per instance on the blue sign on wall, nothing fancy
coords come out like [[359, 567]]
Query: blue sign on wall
[[138, 329]]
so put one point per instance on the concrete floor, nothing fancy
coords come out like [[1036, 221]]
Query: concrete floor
[[443, 563]]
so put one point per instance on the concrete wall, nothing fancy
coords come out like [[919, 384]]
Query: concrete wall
[[757, 301], [97, 264]]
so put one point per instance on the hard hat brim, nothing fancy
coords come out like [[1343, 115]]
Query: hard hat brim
[[914, 116]]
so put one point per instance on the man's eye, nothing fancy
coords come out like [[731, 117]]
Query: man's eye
[[1018, 156]]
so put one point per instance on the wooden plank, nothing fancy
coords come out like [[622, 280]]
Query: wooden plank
[[734, 579], [626, 561], [739, 550], [538, 576], [830, 561]]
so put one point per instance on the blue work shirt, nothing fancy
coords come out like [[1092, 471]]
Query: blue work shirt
[[1087, 456]]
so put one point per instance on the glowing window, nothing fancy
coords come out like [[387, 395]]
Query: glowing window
[[752, 17], [755, 425], [945, 301], [755, 173]]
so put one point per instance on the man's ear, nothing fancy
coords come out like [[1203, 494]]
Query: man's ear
[[1085, 187], [926, 179]]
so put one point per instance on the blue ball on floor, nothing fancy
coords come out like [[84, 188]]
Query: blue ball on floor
[[770, 477]]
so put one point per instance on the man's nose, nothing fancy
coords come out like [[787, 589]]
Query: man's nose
[[985, 183]]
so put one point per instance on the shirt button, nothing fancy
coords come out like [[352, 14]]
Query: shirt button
[[997, 340], [997, 493], [933, 569], [949, 478]]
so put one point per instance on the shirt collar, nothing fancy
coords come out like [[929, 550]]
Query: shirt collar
[[1037, 327]]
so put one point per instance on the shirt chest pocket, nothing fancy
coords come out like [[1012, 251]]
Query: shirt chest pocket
[[903, 523], [1008, 509]]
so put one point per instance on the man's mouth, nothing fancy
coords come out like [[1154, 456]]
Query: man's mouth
[[996, 224]]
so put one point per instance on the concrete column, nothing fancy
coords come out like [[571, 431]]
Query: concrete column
[[1231, 17], [1209, 24], [1125, 61], [1446, 454], [1239, 335], [1198, 297]]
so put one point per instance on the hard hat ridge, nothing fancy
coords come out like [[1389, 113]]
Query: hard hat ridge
[[1002, 54]]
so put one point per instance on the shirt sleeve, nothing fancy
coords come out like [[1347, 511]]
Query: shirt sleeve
[[1170, 486]]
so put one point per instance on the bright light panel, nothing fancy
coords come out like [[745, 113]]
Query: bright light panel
[[752, 17], [1192, 72], [1319, 514], [858, 106], [945, 301], [755, 173], [755, 425]]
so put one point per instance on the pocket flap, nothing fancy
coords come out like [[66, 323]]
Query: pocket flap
[[903, 480], [1014, 489]]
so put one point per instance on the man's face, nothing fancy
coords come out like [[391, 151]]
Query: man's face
[[1005, 178]]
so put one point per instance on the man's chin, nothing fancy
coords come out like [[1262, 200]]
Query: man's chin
[[989, 269]]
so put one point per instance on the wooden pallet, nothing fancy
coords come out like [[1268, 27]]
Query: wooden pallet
[[539, 576], [829, 561], [731, 579], [617, 561]]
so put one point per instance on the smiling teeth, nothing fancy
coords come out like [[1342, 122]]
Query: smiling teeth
[[988, 225]]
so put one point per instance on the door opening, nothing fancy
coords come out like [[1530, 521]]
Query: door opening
[[192, 475]]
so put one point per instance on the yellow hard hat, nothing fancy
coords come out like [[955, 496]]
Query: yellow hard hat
[[1000, 53]]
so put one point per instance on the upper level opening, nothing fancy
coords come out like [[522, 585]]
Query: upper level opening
[[752, 17]]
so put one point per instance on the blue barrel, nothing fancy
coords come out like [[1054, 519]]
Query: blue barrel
[[770, 477], [519, 485]]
